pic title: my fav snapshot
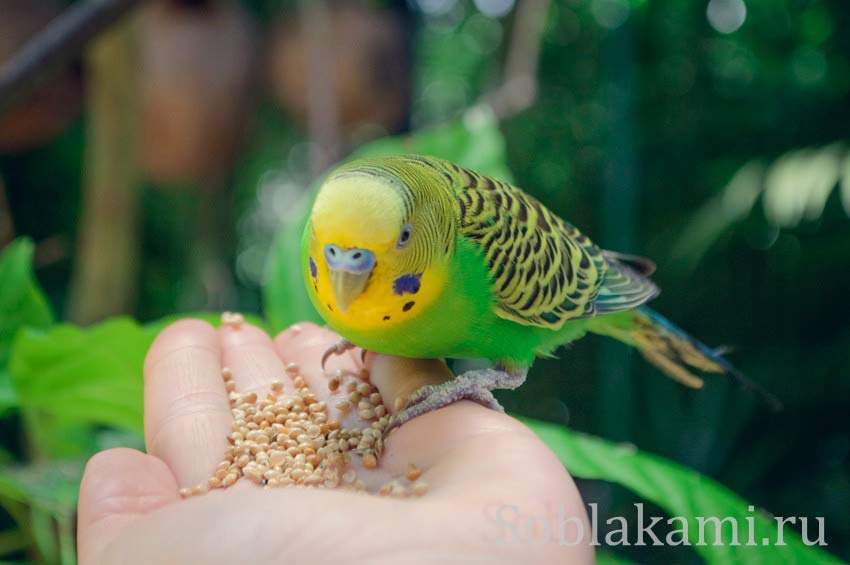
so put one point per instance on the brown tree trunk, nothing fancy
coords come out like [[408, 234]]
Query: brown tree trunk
[[106, 269], [322, 123]]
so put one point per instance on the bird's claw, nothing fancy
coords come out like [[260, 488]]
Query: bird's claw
[[338, 348]]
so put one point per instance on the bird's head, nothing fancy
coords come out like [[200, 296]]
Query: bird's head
[[381, 235]]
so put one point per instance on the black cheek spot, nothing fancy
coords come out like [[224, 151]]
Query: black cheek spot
[[386, 318], [408, 306], [330, 307]]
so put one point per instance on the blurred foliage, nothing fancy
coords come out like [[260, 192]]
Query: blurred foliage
[[679, 492], [21, 304], [710, 136], [795, 187]]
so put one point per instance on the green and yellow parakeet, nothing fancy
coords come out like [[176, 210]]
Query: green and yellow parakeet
[[418, 257]]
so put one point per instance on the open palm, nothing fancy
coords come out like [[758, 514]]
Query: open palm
[[495, 490]]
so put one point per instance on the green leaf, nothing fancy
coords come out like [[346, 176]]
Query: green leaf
[[42, 527], [51, 486], [604, 557], [212, 318], [21, 304], [681, 492], [474, 142], [88, 375], [91, 375], [12, 541], [49, 490], [56, 436]]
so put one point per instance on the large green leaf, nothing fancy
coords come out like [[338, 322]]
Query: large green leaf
[[87, 375], [21, 304], [474, 141], [681, 492], [91, 375]]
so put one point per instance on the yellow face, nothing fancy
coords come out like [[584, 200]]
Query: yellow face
[[372, 257]]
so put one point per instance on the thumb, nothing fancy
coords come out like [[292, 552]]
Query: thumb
[[118, 487]]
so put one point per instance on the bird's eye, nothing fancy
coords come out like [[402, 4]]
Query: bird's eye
[[404, 238]]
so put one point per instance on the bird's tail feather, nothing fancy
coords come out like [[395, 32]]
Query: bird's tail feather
[[672, 350]]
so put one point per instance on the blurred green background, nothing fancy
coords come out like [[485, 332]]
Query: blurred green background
[[155, 173]]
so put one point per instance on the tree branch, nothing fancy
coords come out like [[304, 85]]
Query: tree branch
[[519, 84], [60, 42]]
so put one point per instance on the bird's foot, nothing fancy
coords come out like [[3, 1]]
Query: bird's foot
[[338, 348], [472, 385]]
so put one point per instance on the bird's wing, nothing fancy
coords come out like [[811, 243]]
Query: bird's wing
[[626, 284], [543, 270]]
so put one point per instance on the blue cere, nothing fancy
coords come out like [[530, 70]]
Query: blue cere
[[407, 284]]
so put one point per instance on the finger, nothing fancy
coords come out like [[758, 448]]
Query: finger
[[303, 525], [118, 486], [399, 377], [187, 413], [305, 339], [456, 446], [304, 348], [465, 450], [251, 356]]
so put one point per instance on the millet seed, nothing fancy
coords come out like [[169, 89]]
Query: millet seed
[[289, 440], [419, 488], [232, 320], [413, 472], [370, 461]]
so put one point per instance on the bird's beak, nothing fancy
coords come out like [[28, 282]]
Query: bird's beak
[[347, 286], [349, 269]]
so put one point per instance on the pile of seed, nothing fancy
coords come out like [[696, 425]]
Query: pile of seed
[[286, 440]]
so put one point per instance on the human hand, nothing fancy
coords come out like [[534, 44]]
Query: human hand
[[487, 473]]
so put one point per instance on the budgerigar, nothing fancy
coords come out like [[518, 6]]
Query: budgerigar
[[418, 257]]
